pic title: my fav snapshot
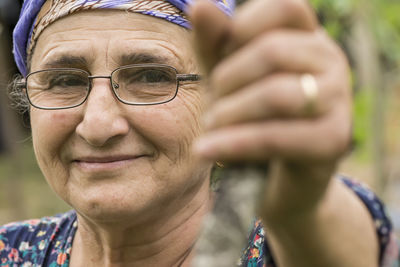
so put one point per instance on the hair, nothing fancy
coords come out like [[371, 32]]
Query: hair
[[19, 100]]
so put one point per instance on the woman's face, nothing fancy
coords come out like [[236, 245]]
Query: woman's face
[[107, 159]]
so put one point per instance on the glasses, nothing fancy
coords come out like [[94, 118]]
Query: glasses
[[139, 84]]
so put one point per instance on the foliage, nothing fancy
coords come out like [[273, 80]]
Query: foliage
[[383, 20]]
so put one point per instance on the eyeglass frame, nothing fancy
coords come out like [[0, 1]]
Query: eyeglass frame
[[179, 78]]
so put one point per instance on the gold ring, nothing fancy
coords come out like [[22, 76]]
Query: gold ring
[[310, 91]]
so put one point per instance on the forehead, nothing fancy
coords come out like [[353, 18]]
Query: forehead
[[110, 38]]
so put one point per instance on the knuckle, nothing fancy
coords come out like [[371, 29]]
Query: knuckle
[[223, 114], [287, 99], [280, 98], [336, 140], [335, 55], [340, 88], [270, 141], [293, 8], [335, 89], [218, 76], [282, 104], [331, 51], [270, 47]]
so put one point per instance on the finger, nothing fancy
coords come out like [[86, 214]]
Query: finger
[[212, 30], [276, 96], [297, 140], [288, 51], [256, 17]]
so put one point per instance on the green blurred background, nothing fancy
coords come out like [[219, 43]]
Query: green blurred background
[[367, 30]]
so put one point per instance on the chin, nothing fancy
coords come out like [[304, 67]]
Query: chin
[[118, 204]]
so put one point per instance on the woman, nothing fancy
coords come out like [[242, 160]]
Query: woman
[[129, 150]]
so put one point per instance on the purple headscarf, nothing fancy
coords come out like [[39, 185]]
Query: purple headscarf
[[22, 35]]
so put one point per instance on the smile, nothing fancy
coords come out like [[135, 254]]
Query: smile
[[105, 163]]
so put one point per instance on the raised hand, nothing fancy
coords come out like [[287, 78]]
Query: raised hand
[[279, 92]]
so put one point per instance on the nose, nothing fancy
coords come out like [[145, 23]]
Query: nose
[[103, 115]]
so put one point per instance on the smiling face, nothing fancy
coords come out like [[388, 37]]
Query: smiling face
[[109, 160]]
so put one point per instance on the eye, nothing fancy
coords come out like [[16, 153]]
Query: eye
[[68, 81], [147, 76], [154, 76]]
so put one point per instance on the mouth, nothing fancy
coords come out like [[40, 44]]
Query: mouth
[[106, 163]]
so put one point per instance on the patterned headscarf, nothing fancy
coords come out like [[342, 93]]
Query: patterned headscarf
[[36, 15]]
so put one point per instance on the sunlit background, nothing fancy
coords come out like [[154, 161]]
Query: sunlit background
[[369, 32]]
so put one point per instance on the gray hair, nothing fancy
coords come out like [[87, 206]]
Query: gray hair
[[19, 100]]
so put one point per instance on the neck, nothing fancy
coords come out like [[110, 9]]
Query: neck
[[164, 241]]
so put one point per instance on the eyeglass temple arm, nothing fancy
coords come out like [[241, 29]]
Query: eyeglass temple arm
[[188, 77]]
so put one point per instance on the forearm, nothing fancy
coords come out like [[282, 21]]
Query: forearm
[[338, 232], [260, 110]]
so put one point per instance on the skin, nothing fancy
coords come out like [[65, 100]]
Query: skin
[[125, 203], [258, 113], [147, 210]]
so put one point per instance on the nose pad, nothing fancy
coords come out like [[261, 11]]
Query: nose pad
[[116, 86]]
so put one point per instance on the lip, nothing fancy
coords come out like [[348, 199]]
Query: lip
[[107, 163]]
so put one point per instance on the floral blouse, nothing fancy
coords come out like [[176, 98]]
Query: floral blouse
[[48, 241], [258, 254]]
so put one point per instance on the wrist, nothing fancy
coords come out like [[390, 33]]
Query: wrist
[[295, 193]]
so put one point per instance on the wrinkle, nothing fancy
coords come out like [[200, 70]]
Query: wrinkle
[[155, 246]]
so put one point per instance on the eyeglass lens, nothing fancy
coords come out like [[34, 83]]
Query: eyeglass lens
[[65, 88], [143, 85]]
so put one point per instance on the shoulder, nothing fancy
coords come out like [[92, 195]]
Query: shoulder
[[16, 232], [258, 253], [28, 241], [389, 248]]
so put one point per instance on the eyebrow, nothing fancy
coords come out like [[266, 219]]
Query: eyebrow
[[66, 61], [140, 58]]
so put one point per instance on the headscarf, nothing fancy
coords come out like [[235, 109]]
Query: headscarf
[[36, 15]]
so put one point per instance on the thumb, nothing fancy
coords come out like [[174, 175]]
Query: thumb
[[212, 33]]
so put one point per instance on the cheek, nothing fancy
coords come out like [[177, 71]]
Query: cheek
[[187, 117], [50, 132], [176, 124], [190, 101]]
